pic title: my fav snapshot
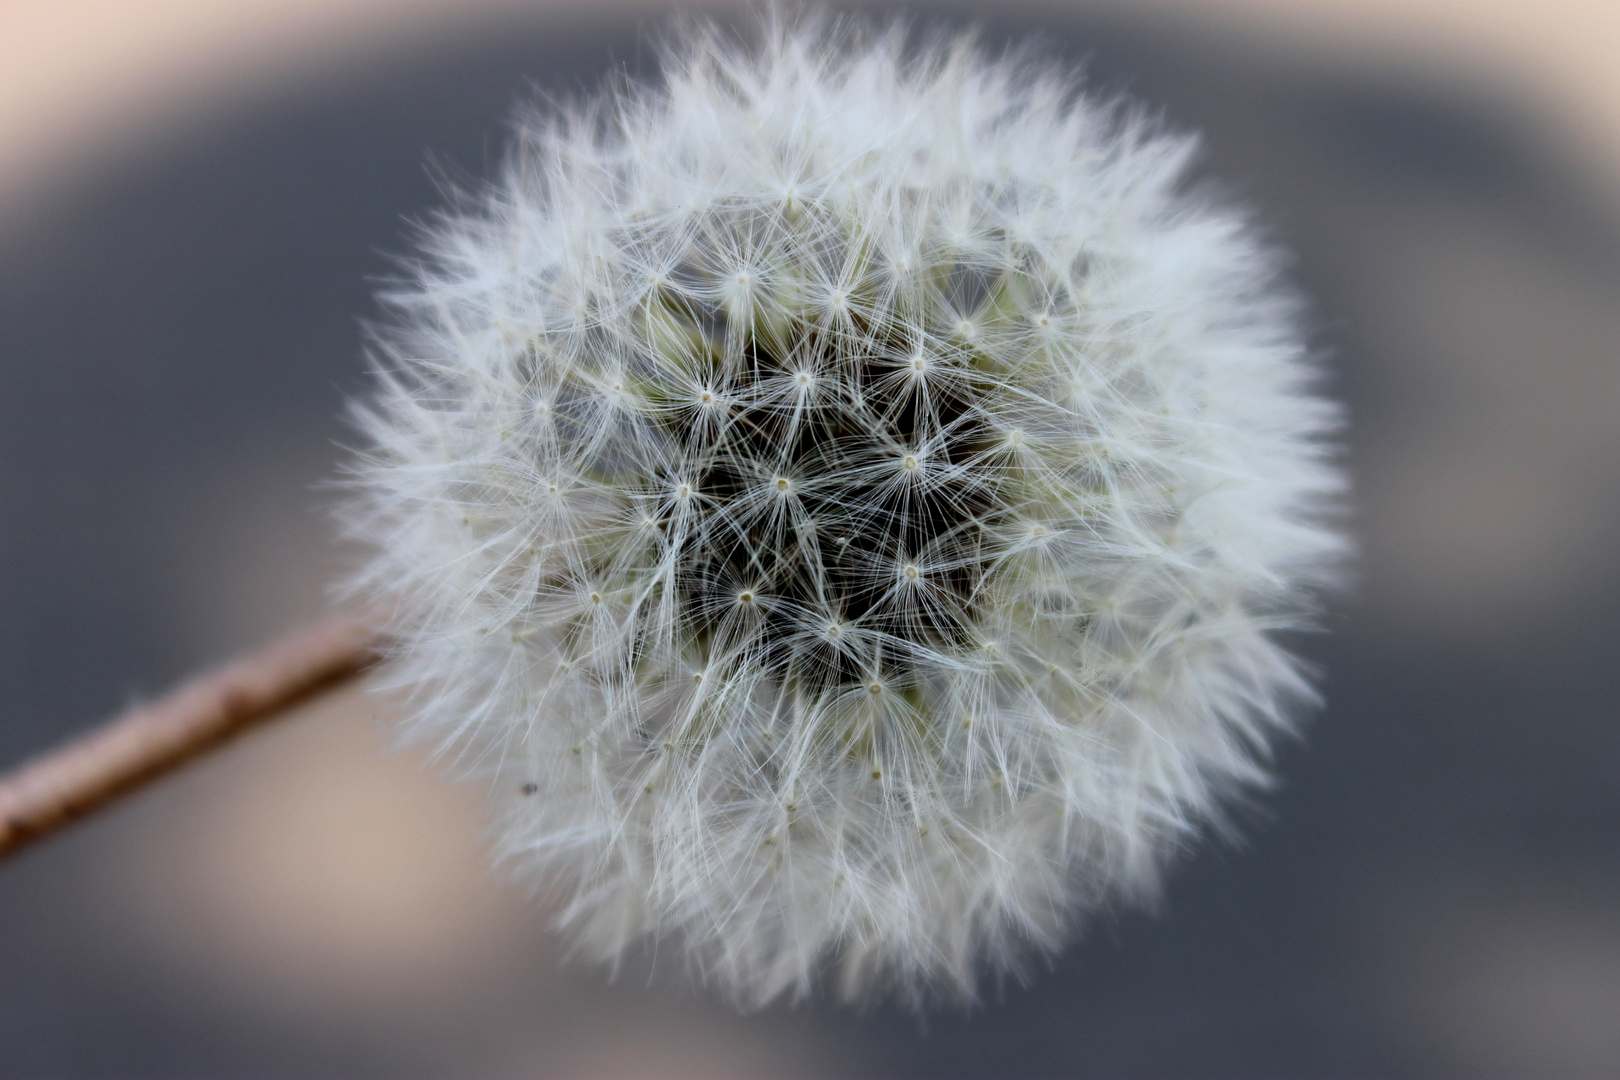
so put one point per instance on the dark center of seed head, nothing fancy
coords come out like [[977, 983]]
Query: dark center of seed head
[[872, 522]]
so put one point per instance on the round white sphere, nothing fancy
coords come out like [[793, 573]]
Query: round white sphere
[[844, 496]]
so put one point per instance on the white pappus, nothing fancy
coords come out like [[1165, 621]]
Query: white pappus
[[844, 496]]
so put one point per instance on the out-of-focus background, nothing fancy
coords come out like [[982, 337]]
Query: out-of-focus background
[[196, 197]]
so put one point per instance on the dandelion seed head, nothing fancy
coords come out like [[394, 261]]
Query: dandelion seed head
[[866, 559]]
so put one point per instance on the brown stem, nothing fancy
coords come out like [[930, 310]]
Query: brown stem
[[147, 742]]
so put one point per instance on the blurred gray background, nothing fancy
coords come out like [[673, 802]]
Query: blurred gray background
[[1433, 890]]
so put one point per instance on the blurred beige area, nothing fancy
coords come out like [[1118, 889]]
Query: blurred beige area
[[1521, 979], [336, 889], [84, 78]]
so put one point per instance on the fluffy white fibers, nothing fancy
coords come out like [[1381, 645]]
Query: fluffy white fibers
[[843, 496]]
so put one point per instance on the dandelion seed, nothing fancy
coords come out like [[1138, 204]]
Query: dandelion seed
[[982, 438]]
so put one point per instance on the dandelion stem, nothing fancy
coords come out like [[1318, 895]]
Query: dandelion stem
[[152, 740]]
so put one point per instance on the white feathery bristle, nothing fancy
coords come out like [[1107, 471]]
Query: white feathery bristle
[[843, 497]]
